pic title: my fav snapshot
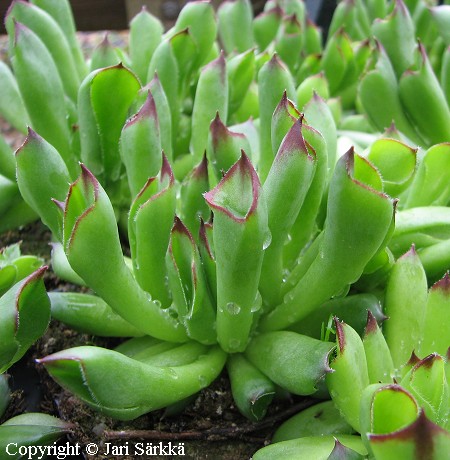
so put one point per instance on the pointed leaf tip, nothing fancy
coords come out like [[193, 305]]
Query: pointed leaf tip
[[294, 141], [443, 284], [371, 325], [201, 170], [179, 227], [413, 360], [244, 172], [148, 110], [166, 169], [340, 334]]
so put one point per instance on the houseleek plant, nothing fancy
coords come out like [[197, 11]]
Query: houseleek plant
[[248, 225]]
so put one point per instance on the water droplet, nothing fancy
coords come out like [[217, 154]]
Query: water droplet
[[267, 240], [172, 373], [203, 380], [149, 297], [234, 344], [291, 319], [257, 303], [233, 308], [289, 297], [157, 303]]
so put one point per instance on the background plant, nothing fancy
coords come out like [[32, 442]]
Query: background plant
[[299, 220]]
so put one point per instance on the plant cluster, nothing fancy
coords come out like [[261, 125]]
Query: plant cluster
[[265, 183]]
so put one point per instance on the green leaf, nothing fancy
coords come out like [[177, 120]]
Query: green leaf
[[124, 388], [421, 438], [24, 314], [350, 377], [322, 419], [316, 447], [295, 362], [252, 390]]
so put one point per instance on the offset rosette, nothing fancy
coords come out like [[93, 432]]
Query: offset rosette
[[89, 235], [241, 234], [359, 217]]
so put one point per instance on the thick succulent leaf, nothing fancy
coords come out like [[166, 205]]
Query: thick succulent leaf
[[252, 390], [145, 35], [350, 377], [211, 96], [241, 72], [90, 230], [224, 149], [192, 206], [37, 158], [188, 284], [12, 106], [273, 80], [25, 314], [165, 66], [386, 409], [104, 55], [421, 439], [436, 332], [289, 41], [111, 113], [428, 384], [42, 91], [235, 25], [396, 163], [405, 303], [422, 226], [396, 33], [295, 362], [424, 100], [240, 215], [132, 388], [48, 30], [306, 224], [199, 18], [149, 224], [163, 111], [322, 419], [140, 146], [379, 361], [382, 111], [431, 183], [61, 11], [318, 447], [89, 314], [341, 452], [285, 189], [31, 430], [441, 16], [318, 115], [357, 213], [351, 309], [266, 25]]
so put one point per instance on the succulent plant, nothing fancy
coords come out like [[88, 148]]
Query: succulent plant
[[250, 220]]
